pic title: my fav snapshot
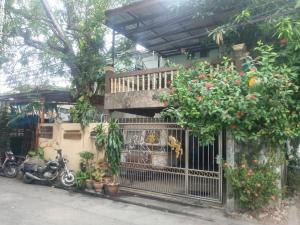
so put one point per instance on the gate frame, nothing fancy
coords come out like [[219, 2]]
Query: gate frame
[[186, 195]]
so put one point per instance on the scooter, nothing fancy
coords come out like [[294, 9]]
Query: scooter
[[50, 172], [8, 165]]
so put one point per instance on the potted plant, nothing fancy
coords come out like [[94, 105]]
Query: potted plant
[[87, 167], [80, 179], [113, 156], [100, 137], [98, 175]]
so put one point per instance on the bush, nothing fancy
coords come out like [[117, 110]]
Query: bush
[[254, 186], [257, 103]]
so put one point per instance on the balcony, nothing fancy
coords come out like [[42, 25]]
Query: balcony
[[137, 92]]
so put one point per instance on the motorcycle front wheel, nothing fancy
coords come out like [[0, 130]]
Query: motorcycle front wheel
[[11, 171], [68, 179]]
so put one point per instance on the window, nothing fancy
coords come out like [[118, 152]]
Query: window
[[46, 132], [72, 134]]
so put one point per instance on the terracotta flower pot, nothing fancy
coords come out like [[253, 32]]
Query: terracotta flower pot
[[111, 189], [89, 184], [98, 186], [107, 179]]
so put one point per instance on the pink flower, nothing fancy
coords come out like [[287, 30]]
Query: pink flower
[[238, 82], [242, 74], [202, 76], [209, 85]]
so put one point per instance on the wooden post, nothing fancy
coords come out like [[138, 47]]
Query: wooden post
[[123, 84], [132, 89], [128, 84], [143, 84], [159, 80]]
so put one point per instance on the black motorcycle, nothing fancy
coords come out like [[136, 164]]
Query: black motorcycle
[[8, 164], [50, 172]]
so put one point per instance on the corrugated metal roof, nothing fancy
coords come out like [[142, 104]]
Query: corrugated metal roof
[[50, 96], [160, 26]]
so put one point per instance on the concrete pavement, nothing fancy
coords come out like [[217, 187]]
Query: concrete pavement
[[22, 204]]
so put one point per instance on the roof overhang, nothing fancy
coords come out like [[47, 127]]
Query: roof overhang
[[160, 26], [48, 96]]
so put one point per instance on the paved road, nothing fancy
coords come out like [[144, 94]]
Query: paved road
[[22, 204]]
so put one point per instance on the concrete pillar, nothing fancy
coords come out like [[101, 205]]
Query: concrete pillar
[[231, 204], [109, 73], [239, 54]]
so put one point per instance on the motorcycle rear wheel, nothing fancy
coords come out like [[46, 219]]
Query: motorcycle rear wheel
[[27, 179], [10, 171]]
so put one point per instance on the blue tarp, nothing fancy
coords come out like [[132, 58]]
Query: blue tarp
[[20, 122]]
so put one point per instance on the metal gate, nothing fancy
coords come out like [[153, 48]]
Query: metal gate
[[161, 157]]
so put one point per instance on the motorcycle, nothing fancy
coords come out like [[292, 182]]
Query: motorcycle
[[50, 172], [8, 165]]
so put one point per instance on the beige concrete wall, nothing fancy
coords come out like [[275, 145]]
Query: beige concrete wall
[[71, 148]]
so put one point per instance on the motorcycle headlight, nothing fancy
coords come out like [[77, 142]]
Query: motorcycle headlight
[[12, 158]]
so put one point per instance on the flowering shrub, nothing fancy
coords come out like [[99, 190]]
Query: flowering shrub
[[255, 186], [258, 103]]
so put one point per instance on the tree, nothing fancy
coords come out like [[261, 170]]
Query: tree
[[256, 104], [67, 35]]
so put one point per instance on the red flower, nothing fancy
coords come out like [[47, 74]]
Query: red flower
[[239, 115], [209, 85], [200, 98], [242, 74], [238, 82], [233, 126], [202, 76], [255, 161]]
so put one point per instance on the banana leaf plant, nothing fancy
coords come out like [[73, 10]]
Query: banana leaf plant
[[114, 147]]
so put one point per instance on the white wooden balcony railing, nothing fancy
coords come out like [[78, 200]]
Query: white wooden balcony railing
[[153, 79]]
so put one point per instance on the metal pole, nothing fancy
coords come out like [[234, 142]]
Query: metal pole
[[113, 48], [186, 187], [220, 137]]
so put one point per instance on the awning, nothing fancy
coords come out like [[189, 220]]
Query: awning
[[49, 96], [163, 27]]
